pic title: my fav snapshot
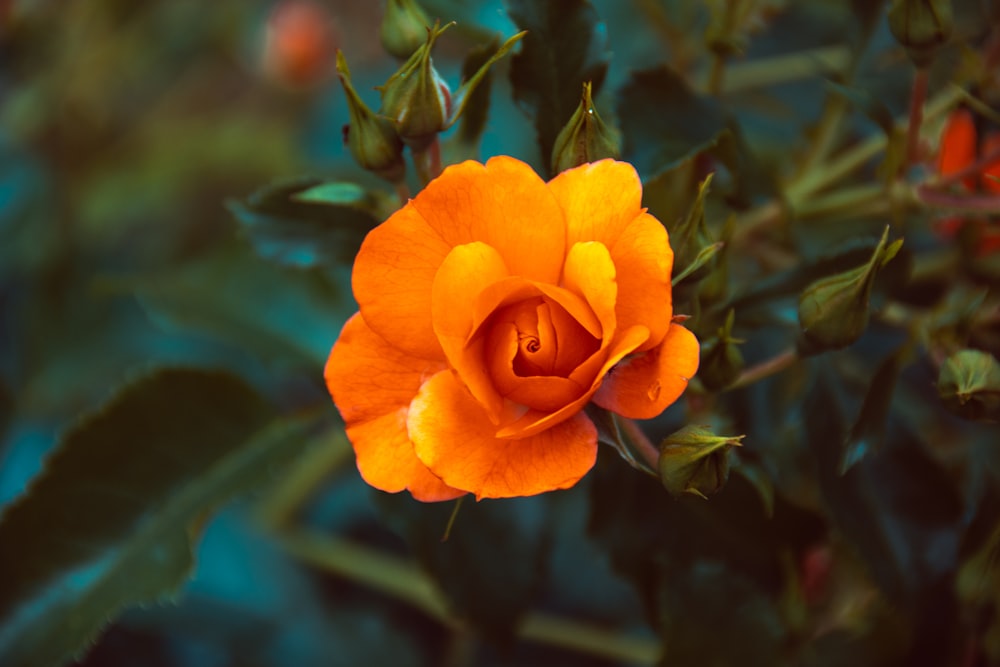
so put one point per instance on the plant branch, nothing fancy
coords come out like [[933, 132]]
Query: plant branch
[[765, 369], [917, 99], [650, 453]]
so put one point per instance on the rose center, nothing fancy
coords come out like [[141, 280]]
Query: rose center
[[550, 342]]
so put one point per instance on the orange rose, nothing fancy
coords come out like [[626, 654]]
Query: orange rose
[[494, 307]]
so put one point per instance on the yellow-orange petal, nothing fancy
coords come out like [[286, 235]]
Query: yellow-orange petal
[[386, 459], [504, 204], [455, 439], [372, 384], [958, 145], [603, 202], [590, 272], [392, 280], [528, 423], [642, 386]]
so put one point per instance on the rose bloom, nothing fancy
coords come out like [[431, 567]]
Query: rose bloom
[[494, 307]]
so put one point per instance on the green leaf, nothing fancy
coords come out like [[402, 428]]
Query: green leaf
[[110, 521], [664, 122], [868, 103], [278, 313], [472, 122], [492, 563], [565, 47], [868, 430], [304, 222]]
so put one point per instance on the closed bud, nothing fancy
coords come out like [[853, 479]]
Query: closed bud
[[585, 138], [694, 460], [969, 385], [721, 359], [833, 311], [921, 26], [372, 140], [416, 98], [404, 27], [694, 249]]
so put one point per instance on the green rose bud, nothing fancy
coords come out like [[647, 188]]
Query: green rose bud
[[921, 27], [969, 384], [585, 138], [418, 101], [696, 461], [404, 27], [833, 311], [372, 140], [721, 359], [416, 98]]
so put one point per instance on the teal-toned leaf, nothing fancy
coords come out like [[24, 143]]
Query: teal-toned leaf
[[110, 521], [664, 122], [472, 122], [565, 47], [490, 566], [306, 222], [868, 103], [868, 431], [278, 313]]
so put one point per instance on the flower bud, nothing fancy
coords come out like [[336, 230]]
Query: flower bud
[[921, 26], [833, 311], [299, 44], [696, 461], [404, 27], [372, 140], [721, 359], [969, 384], [694, 250], [416, 98], [585, 138]]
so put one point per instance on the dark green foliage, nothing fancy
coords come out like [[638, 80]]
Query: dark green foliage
[[566, 46]]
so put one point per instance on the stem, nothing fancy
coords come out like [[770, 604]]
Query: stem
[[716, 74], [973, 169], [765, 369], [960, 203], [764, 72], [858, 200], [434, 158], [402, 580], [649, 452], [917, 99]]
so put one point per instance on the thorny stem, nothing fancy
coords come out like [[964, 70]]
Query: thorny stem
[[766, 368], [917, 99]]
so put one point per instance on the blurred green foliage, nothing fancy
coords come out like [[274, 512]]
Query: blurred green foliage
[[178, 215]]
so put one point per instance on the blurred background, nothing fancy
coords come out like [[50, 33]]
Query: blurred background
[[143, 148]]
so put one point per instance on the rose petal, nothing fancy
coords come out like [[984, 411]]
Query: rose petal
[[590, 272], [504, 204], [453, 436], [531, 422], [602, 202], [372, 384], [392, 279], [642, 386]]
